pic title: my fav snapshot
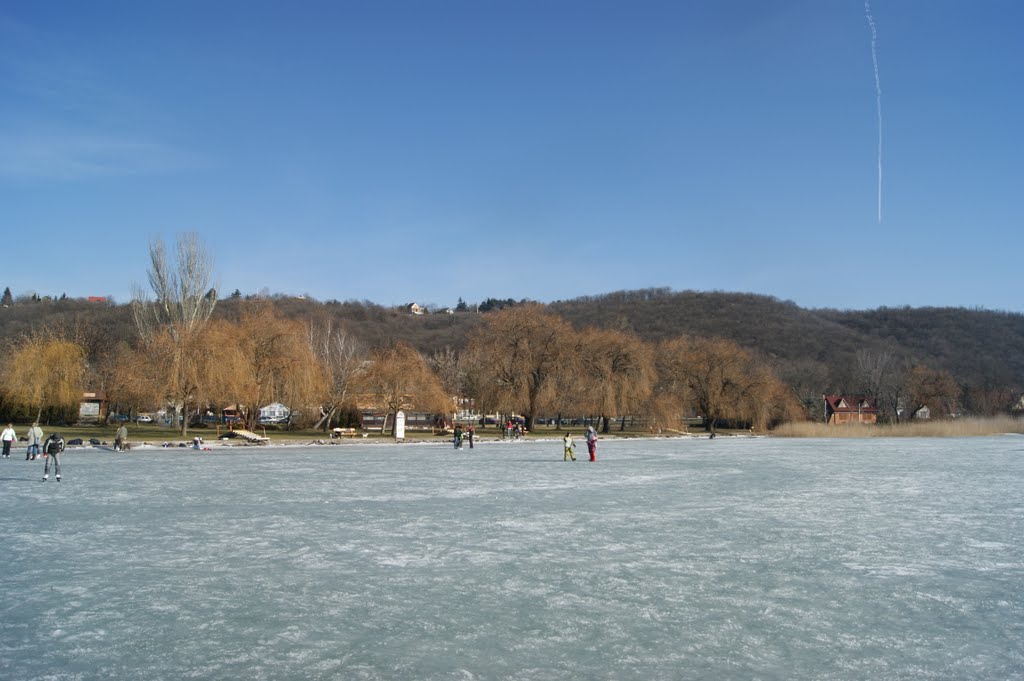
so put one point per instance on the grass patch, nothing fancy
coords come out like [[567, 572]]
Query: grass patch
[[964, 427]]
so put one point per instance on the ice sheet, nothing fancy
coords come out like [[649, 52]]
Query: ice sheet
[[667, 559]]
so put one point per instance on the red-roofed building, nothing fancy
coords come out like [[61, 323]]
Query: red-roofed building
[[841, 409]]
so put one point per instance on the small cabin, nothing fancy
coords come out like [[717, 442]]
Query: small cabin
[[843, 409], [274, 413]]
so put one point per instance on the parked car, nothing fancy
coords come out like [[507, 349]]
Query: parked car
[[144, 418], [119, 417]]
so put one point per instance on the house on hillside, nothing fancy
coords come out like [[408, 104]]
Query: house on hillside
[[842, 409], [413, 308]]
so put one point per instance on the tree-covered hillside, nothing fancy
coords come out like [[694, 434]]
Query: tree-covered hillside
[[813, 351], [980, 348]]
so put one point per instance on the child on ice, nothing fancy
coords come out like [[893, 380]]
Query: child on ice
[[570, 446]]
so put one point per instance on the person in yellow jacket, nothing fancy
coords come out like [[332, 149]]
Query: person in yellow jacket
[[570, 447]]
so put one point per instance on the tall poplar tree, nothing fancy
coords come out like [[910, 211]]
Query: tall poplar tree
[[171, 325]]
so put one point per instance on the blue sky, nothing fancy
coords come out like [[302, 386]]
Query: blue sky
[[426, 151]]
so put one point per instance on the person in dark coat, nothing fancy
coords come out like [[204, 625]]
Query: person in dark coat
[[53, 447]]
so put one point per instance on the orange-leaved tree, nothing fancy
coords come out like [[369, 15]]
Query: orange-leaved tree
[[519, 354], [46, 370], [720, 380], [616, 373], [270, 359], [398, 378]]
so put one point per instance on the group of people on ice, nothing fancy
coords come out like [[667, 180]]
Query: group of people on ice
[[570, 445], [513, 429], [461, 435], [51, 447]]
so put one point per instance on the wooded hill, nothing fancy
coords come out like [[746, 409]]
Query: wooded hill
[[813, 350], [979, 347], [823, 351]]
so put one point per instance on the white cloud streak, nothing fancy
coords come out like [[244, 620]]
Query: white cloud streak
[[878, 97]]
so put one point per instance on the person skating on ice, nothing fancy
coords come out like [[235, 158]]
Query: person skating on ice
[[570, 447], [53, 447]]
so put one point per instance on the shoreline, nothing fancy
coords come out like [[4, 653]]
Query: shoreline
[[174, 445]]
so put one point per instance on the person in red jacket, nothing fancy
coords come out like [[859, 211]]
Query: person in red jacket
[[592, 442]]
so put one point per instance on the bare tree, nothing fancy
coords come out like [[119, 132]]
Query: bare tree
[[184, 298], [445, 363], [450, 369], [340, 356], [808, 380], [932, 388], [882, 375], [170, 326]]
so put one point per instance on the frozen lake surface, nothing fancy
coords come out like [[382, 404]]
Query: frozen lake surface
[[668, 559]]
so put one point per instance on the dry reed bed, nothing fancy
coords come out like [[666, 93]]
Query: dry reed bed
[[963, 427]]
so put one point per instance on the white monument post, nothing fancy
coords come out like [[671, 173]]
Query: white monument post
[[400, 426]]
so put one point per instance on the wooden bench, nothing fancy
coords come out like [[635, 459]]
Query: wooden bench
[[343, 432]]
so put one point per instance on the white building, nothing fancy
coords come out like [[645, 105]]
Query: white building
[[274, 413]]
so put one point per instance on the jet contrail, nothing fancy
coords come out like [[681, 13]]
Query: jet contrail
[[878, 98]]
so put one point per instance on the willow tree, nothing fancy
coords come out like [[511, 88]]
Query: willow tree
[[171, 325], [188, 375], [768, 400], [718, 377], [46, 371], [520, 353], [616, 373], [269, 358], [129, 379], [398, 378]]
